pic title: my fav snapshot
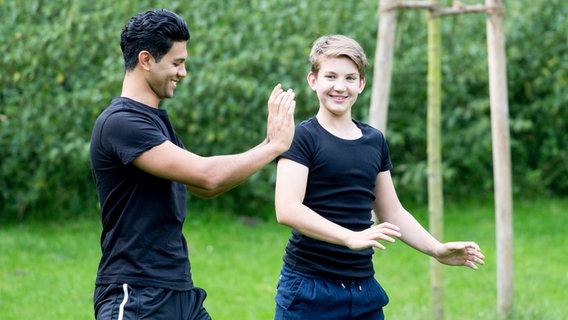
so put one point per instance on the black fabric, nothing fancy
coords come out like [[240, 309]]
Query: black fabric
[[126, 302], [142, 215], [340, 187]]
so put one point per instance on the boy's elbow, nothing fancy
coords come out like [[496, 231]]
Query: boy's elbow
[[279, 218], [281, 215]]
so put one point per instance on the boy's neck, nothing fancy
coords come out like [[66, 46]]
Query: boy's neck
[[342, 126]]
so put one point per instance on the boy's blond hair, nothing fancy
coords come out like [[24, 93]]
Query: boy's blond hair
[[332, 46]]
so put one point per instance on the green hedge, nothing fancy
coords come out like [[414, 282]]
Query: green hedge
[[61, 65]]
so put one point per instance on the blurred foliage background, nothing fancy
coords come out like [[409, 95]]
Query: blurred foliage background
[[61, 65]]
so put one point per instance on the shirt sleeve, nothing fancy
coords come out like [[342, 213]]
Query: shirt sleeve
[[386, 163], [128, 134], [300, 150]]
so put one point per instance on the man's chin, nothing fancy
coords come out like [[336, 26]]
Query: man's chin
[[167, 96]]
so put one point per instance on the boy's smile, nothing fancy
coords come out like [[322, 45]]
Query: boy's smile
[[337, 85]]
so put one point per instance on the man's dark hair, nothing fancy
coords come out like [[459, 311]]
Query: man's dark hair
[[154, 31]]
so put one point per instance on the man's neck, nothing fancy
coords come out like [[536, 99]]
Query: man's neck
[[134, 87]]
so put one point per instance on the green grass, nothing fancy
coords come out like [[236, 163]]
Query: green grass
[[47, 271]]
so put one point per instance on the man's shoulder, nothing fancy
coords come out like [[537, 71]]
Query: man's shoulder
[[120, 108]]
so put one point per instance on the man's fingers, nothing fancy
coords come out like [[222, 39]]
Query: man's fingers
[[279, 101], [292, 108], [275, 92], [287, 101]]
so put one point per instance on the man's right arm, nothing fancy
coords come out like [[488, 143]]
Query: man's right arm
[[211, 176]]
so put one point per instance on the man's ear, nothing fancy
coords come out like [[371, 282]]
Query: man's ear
[[145, 59]]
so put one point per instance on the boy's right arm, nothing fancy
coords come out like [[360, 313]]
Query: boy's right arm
[[291, 180]]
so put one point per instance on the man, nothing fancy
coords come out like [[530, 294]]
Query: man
[[142, 171]]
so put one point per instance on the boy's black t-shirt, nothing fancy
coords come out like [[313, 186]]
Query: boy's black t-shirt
[[340, 187], [142, 215]]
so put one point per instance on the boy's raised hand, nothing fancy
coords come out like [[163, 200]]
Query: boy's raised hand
[[280, 124]]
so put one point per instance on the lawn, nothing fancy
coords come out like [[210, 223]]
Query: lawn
[[47, 270]]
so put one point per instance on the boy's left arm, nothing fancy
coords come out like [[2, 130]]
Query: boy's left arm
[[388, 208]]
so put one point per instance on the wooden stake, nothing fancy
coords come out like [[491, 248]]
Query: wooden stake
[[501, 157], [378, 111], [499, 123], [435, 183]]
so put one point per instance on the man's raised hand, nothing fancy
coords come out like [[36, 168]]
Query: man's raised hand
[[280, 124]]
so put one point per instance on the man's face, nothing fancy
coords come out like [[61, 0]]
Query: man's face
[[164, 75]]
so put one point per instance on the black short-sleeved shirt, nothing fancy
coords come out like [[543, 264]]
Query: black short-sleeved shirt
[[340, 187], [142, 215]]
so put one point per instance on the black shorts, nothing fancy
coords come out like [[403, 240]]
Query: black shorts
[[126, 302]]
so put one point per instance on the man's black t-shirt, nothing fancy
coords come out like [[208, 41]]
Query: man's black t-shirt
[[142, 215], [340, 187]]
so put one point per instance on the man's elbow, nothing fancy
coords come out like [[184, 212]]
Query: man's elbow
[[207, 191]]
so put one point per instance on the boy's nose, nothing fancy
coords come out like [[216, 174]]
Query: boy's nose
[[339, 86]]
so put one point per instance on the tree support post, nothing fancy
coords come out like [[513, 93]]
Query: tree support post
[[378, 110], [434, 151], [498, 95], [378, 113]]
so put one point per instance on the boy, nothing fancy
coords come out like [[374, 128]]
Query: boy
[[333, 175], [142, 172]]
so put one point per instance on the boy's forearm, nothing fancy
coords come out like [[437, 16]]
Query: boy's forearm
[[413, 233]]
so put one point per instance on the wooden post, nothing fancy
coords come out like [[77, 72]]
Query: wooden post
[[434, 150], [498, 93], [378, 111], [499, 125]]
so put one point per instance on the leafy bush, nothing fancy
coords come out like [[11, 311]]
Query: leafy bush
[[61, 65]]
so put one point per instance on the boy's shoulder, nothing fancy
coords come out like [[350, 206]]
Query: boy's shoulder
[[367, 128], [311, 121]]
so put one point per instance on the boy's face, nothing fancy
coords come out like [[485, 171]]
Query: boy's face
[[337, 84], [164, 75]]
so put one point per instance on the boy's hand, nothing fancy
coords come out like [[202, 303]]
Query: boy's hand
[[370, 237], [280, 124], [460, 254]]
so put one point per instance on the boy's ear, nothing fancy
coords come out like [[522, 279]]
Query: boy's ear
[[362, 85], [144, 59], [312, 80]]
